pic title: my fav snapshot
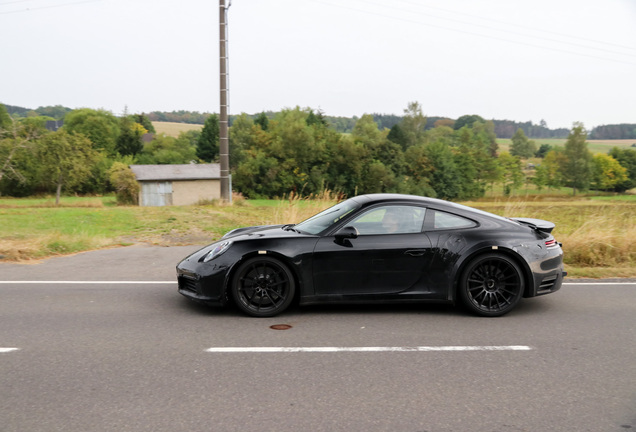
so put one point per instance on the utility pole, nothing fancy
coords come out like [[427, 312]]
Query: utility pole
[[224, 145]]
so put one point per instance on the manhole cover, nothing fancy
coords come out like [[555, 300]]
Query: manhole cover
[[280, 327]]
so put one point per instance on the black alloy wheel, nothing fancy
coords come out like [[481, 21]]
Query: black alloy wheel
[[263, 287], [491, 285]]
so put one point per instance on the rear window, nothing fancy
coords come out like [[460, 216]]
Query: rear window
[[438, 220]]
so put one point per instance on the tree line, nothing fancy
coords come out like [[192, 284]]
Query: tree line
[[503, 128], [299, 150], [617, 131]]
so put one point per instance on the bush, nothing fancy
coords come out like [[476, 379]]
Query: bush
[[125, 183]]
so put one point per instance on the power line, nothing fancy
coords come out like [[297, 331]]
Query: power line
[[533, 36], [521, 26], [476, 34], [47, 7]]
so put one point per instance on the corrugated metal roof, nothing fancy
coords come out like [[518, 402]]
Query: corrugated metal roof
[[176, 172]]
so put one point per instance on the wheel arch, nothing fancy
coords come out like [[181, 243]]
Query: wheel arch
[[271, 254], [506, 251]]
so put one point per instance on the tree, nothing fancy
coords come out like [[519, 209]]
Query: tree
[[346, 165], [5, 118], [543, 150], [66, 159], [473, 157], [522, 146], [467, 120], [444, 177], [378, 146], [397, 135], [607, 173], [578, 159], [99, 126], [144, 121], [242, 137], [208, 145], [56, 112], [413, 125], [511, 170], [262, 121], [17, 138], [550, 169], [129, 141], [627, 159], [165, 149]]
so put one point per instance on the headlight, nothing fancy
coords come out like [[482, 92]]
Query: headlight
[[217, 250]]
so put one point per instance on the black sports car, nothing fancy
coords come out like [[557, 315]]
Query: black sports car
[[379, 248]]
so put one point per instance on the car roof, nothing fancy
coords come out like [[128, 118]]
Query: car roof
[[388, 197], [379, 198]]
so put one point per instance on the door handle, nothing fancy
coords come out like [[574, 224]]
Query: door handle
[[416, 252]]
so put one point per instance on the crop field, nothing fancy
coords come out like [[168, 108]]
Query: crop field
[[597, 232], [595, 146], [174, 129]]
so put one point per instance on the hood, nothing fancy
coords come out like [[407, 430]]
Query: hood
[[269, 231], [248, 230]]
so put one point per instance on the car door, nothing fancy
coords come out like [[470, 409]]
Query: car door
[[387, 257], [447, 234]]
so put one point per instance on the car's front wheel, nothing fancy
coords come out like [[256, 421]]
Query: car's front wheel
[[263, 287], [491, 285]]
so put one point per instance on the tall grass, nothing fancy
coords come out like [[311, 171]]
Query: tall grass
[[295, 208], [593, 233]]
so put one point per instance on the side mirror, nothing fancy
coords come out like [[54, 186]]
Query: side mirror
[[348, 232]]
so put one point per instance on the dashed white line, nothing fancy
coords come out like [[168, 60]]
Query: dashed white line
[[365, 349], [8, 350]]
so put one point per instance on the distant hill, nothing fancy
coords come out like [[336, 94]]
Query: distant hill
[[56, 112], [503, 128]]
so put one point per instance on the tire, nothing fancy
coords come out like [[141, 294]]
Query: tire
[[263, 287], [491, 285]]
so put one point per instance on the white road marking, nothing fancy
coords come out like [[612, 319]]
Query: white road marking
[[8, 350], [90, 282], [599, 283], [365, 349], [175, 281]]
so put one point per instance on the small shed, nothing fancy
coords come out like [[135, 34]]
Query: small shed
[[161, 185]]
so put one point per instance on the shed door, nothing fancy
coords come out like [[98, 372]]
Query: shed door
[[156, 193]]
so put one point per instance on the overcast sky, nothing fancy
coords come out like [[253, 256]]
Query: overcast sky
[[558, 60]]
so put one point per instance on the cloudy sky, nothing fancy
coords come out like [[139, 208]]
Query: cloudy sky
[[562, 61]]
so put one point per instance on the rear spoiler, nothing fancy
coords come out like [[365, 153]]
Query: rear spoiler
[[538, 224]]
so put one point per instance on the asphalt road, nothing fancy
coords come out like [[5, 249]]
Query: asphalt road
[[133, 357]]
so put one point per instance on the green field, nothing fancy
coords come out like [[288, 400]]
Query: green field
[[595, 146]]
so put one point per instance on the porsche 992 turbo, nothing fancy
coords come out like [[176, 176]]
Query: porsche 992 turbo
[[379, 248]]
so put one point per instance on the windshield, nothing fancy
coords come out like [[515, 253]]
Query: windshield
[[327, 218]]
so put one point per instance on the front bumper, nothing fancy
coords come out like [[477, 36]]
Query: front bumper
[[202, 282]]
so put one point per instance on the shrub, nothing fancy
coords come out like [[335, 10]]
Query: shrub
[[126, 187]]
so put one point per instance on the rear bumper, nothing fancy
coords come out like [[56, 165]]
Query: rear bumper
[[549, 284]]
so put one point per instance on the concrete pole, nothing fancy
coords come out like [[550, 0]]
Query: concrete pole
[[224, 145]]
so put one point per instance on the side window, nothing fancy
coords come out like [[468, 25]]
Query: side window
[[395, 219], [440, 220]]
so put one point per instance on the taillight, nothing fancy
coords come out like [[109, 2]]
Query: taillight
[[550, 243]]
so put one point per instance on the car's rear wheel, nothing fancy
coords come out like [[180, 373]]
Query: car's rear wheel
[[263, 287], [491, 285]]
